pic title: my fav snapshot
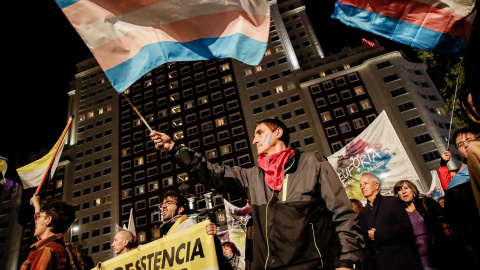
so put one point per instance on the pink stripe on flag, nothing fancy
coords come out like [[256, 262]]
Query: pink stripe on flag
[[225, 24], [88, 11], [85, 12], [425, 15]]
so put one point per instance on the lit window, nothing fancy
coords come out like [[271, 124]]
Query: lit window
[[96, 202], [278, 89], [175, 96], [178, 135], [359, 90], [139, 189], [138, 161], [203, 100], [172, 74], [226, 149], [326, 116], [173, 85], [166, 182], [177, 122], [225, 67], [127, 193], [220, 122], [182, 177], [365, 104], [247, 72], [227, 79], [258, 68], [291, 85], [211, 153], [176, 109]]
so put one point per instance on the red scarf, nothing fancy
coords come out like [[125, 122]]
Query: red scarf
[[273, 166]]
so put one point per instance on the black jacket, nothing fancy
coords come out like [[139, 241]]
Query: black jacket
[[394, 247], [306, 225]]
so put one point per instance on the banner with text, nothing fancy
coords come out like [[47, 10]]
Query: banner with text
[[188, 249], [377, 150]]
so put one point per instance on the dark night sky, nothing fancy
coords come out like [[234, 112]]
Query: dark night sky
[[42, 54]]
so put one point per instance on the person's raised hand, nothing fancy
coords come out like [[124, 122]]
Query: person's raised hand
[[446, 155], [35, 202], [162, 141], [211, 228]]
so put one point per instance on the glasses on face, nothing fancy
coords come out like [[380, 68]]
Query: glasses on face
[[37, 216], [167, 203], [463, 143]]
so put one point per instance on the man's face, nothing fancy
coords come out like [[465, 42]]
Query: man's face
[[463, 141], [265, 140], [367, 187], [169, 206], [41, 223], [119, 243]]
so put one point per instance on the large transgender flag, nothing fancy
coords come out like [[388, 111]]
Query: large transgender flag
[[431, 25], [131, 37]]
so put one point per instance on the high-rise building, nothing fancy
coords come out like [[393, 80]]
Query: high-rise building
[[111, 166]]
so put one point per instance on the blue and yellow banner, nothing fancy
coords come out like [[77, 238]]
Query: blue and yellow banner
[[188, 249]]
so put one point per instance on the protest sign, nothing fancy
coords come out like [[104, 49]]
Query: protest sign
[[190, 249]]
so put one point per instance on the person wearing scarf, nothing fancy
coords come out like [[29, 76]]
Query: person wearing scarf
[[302, 217]]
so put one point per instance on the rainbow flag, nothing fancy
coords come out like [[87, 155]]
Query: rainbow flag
[[431, 25], [131, 37]]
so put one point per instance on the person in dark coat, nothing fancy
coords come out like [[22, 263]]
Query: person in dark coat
[[426, 215], [386, 229]]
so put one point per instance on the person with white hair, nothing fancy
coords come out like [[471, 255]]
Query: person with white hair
[[386, 229]]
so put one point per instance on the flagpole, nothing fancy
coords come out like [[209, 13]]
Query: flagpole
[[453, 105], [54, 156], [136, 110]]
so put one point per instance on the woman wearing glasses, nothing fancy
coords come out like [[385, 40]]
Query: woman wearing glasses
[[460, 206]]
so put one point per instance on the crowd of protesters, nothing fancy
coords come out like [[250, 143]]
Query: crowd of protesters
[[404, 231], [310, 224]]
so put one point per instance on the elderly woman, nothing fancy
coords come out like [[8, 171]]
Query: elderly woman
[[424, 214]]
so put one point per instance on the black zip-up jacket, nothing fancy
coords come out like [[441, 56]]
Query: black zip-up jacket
[[308, 224]]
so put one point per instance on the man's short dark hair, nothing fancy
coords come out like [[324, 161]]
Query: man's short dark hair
[[460, 131], [62, 213], [181, 201], [273, 124]]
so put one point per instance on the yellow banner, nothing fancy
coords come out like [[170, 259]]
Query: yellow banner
[[188, 249]]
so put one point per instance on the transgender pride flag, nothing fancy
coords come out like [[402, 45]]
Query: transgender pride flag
[[131, 37], [431, 25]]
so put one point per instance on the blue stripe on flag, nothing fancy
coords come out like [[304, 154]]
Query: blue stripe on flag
[[399, 31], [65, 3], [236, 46]]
